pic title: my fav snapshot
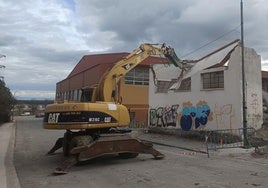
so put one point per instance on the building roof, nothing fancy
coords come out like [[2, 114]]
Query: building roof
[[264, 74], [89, 61]]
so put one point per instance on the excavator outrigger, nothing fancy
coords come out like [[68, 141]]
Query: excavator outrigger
[[97, 124]]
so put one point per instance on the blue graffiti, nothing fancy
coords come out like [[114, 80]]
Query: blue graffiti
[[199, 114]]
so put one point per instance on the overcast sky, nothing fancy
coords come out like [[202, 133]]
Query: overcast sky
[[44, 39]]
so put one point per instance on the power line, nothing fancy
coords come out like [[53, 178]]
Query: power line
[[223, 35]]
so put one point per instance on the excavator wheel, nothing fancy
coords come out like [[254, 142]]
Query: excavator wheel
[[72, 159], [80, 141], [128, 155], [65, 143]]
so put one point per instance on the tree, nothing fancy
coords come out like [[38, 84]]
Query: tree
[[7, 102]]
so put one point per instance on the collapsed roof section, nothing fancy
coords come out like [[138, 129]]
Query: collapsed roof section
[[215, 59]]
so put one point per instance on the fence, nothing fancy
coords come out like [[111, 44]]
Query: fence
[[137, 124], [226, 138]]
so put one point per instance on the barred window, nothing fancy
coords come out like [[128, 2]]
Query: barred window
[[137, 76], [163, 86], [213, 80], [185, 85]]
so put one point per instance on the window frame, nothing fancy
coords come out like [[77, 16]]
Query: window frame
[[212, 80], [164, 85], [138, 76]]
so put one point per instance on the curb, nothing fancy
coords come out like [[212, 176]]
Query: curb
[[10, 178]]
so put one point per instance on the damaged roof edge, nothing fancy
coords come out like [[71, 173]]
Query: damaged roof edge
[[237, 41], [215, 59]]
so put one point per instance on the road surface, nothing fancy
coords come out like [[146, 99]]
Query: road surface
[[178, 169]]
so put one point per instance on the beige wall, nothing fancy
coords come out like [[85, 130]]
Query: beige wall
[[134, 94], [135, 97]]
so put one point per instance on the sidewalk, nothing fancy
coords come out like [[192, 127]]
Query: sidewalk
[[8, 174]]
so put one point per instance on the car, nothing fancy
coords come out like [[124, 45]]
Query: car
[[40, 114], [26, 114]]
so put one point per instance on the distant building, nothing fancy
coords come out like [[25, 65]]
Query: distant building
[[264, 75]]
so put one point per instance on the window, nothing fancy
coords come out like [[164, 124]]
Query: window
[[137, 76], [163, 86], [213, 80], [75, 98], [185, 85]]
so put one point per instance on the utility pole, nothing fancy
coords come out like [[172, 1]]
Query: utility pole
[[245, 131]]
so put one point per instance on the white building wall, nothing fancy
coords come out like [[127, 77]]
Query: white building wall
[[254, 89], [200, 109]]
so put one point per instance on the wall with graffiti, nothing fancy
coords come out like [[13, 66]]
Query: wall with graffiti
[[164, 116], [214, 109], [188, 116]]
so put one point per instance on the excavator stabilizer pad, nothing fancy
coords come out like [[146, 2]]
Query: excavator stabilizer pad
[[115, 144]]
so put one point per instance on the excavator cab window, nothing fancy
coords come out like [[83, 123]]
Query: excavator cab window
[[87, 95]]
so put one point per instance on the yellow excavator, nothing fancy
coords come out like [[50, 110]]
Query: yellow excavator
[[97, 124]]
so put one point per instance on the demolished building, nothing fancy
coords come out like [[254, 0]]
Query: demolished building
[[210, 95]]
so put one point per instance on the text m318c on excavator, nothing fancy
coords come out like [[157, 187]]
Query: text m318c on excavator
[[96, 124]]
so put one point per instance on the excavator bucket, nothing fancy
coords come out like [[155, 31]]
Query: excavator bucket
[[123, 145], [173, 58]]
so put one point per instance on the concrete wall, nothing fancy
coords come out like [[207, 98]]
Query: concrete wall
[[211, 109]]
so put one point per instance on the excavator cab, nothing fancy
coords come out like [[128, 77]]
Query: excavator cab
[[87, 94]]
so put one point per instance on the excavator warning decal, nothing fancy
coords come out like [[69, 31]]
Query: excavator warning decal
[[127, 66], [112, 107]]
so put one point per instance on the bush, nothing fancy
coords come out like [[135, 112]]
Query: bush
[[7, 102]]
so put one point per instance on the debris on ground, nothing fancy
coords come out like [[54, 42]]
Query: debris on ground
[[260, 141]]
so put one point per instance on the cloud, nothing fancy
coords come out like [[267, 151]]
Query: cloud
[[186, 25], [40, 42], [44, 40], [33, 95]]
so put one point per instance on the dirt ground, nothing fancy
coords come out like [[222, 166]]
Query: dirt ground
[[261, 138], [263, 132]]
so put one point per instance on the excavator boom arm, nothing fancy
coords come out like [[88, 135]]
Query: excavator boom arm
[[107, 89]]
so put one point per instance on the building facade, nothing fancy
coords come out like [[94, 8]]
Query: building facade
[[134, 87], [211, 99], [264, 81]]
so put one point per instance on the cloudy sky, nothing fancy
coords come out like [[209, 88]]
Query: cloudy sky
[[44, 39]]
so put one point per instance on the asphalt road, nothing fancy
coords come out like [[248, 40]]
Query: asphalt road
[[178, 169]]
